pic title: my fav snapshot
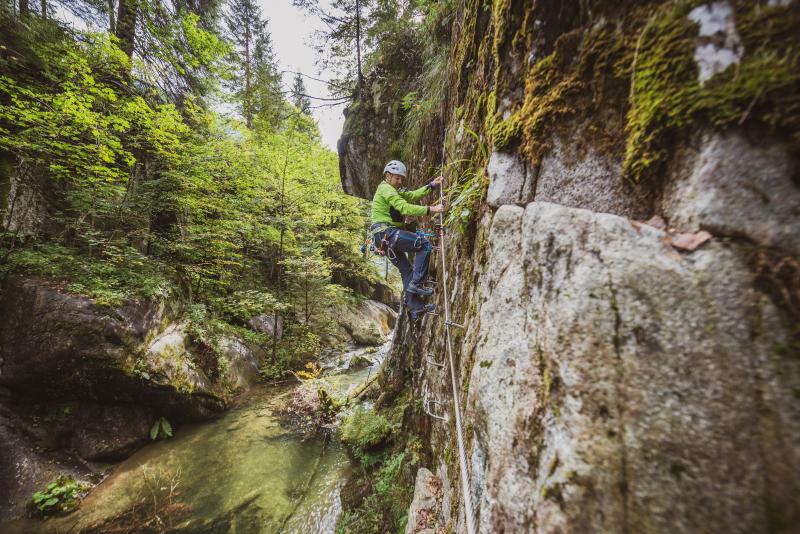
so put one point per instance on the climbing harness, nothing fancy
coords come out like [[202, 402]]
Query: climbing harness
[[384, 246]]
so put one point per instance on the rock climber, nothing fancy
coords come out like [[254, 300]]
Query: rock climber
[[390, 206]]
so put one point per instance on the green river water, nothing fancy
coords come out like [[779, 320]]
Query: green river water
[[243, 472]]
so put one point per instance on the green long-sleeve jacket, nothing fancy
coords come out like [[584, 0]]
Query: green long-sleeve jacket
[[390, 206]]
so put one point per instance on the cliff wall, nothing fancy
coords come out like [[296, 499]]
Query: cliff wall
[[623, 253]]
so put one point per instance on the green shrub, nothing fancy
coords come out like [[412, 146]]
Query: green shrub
[[61, 495], [385, 508], [117, 274], [362, 432], [298, 346]]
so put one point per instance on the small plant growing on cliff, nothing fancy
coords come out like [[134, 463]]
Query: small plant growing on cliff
[[61, 495], [161, 429], [468, 190]]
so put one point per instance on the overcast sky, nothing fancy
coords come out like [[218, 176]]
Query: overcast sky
[[291, 37]]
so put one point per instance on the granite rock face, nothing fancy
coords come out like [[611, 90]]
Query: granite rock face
[[618, 402], [509, 183], [588, 179], [615, 375]]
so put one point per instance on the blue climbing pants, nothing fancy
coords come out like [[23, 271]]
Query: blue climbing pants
[[400, 243]]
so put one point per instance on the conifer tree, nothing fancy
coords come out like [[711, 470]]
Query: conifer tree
[[255, 83], [299, 98]]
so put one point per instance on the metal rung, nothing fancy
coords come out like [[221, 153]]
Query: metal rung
[[429, 412], [433, 362], [451, 323]]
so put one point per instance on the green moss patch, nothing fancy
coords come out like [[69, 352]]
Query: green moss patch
[[667, 100], [631, 81]]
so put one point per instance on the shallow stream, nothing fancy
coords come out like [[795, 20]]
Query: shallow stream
[[243, 472]]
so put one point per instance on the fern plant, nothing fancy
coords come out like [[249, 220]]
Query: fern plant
[[161, 429]]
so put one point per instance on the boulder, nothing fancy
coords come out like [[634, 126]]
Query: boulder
[[266, 324], [244, 361], [55, 346], [359, 361], [368, 323]]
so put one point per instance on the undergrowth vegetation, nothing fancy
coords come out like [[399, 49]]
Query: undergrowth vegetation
[[380, 491]]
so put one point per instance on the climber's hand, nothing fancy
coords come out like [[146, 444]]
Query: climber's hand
[[438, 208], [436, 182]]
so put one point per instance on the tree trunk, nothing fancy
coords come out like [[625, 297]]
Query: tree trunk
[[247, 104], [24, 9], [126, 25], [112, 25], [358, 46], [44, 9]]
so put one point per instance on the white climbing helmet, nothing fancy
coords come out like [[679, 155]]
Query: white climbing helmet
[[395, 167]]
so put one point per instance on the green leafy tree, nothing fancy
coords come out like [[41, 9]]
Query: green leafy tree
[[157, 198]]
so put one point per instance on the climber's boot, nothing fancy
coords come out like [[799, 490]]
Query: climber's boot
[[417, 314], [417, 290]]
